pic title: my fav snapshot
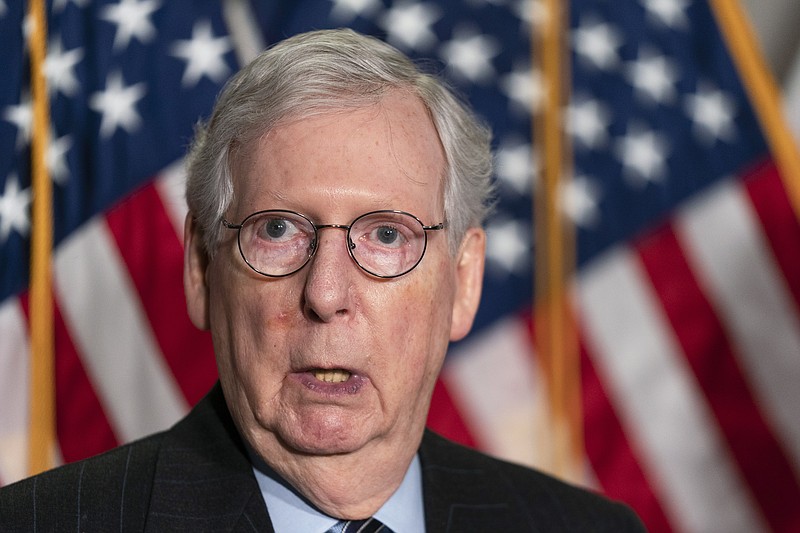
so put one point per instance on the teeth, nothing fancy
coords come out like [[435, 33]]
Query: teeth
[[332, 376]]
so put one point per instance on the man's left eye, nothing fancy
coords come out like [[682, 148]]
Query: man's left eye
[[387, 235], [276, 228]]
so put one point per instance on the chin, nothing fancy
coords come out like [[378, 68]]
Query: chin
[[326, 437], [325, 448]]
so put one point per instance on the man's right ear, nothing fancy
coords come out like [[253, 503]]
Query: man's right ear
[[195, 263]]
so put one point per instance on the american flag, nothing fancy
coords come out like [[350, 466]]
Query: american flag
[[688, 248]]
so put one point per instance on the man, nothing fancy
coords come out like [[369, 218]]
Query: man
[[334, 248]]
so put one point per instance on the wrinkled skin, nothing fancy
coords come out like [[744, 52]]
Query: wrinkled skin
[[391, 335]]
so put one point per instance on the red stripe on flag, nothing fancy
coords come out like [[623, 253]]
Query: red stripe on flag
[[81, 423], [771, 203], [613, 460], [757, 453], [147, 242], [445, 419], [607, 448]]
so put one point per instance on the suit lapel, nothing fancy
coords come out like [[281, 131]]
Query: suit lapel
[[203, 478], [460, 496]]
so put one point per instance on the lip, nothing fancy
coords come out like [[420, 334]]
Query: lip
[[352, 386]]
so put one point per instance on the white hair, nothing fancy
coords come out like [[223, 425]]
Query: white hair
[[327, 70]]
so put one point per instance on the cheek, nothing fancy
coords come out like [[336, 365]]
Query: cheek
[[247, 304], [420, 334], [250, 322]]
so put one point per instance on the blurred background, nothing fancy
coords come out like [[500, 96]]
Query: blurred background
[[640, 327], [775, 22]]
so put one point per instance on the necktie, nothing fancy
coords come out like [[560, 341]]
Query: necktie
[[370, 525]]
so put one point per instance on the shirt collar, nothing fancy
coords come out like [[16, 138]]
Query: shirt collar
[[289, 511]]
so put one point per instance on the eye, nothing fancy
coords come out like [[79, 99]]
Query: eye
[[386, 231], [277, 229], [387, 235]]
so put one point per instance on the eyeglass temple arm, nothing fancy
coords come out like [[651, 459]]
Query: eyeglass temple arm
[[231, 226], [434, 228]]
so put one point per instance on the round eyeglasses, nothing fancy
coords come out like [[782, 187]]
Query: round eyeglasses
[[385, 244]]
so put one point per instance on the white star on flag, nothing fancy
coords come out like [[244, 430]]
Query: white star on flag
[[712, 112], [587, 121], [57, 158], [671, 13], [27, 29], [204, 55], [597, 43], [531, 13], [579, 199], [523, 87], [642, 153], [508, 247], [516, 165], [117, 104], [345, 11], [59, 68], [14, 206], [653, 77], [21, 116], [408, 25], [132, 18], [469, 55]]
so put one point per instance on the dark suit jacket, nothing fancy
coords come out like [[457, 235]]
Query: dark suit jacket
[[197, 477]]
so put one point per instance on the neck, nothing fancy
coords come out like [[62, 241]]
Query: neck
[[346, 486]]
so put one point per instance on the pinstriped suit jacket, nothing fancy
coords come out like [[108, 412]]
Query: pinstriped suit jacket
[[197, 477]]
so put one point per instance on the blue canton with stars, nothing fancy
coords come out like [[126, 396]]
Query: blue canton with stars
[[128, 80], [656, 114]]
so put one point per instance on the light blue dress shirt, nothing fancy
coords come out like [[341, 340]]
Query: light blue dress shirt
[[404, 512]]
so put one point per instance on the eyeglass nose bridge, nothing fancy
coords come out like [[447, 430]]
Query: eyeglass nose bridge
[[350, 244]]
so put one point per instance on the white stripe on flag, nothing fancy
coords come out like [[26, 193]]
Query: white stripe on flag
[[496, 385], [112, 335], [171, 188], [658, 401], [727, 248], [14, 379]]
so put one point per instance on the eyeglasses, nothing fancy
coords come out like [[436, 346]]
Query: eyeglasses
[[385, 244]]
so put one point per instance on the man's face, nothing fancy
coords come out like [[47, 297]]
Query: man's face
[[275, 338]]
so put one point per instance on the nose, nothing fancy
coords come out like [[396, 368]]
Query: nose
[[328, 290]]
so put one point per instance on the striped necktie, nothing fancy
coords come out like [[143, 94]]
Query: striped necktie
[[370, 525]]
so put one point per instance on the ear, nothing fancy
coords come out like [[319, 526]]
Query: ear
[[195, 263], [469, 282]]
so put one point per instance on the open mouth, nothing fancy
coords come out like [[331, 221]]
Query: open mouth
[[332, 376], [331, 381]]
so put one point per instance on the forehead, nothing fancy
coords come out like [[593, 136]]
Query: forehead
[[384, 156]]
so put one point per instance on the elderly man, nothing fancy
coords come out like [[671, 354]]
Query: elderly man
[[334, 248]]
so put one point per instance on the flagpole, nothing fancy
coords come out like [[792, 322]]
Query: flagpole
[[41, 402], [763, 92], [555, 327]]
